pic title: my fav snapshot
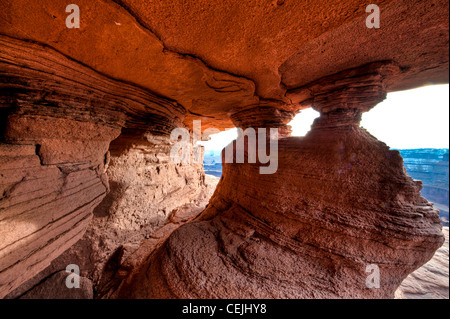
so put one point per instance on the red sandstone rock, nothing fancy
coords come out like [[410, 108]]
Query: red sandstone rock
[[339, 202], [429, 281], [138, 69], [175, 48], [53, 165], [147, 192], [55, 287]]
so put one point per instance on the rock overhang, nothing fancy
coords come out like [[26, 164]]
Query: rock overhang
[[216, 58], [83, 104]]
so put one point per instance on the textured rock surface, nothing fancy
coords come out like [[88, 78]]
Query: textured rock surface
[[106, 260], [429, 281], [340, 201], [45, 208], [55, 287], [127, 265], [315, 244], [147, 191], [175, 48], [135, 70], [59, 120]]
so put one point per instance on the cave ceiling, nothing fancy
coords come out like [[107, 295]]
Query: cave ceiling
[[217, 57]]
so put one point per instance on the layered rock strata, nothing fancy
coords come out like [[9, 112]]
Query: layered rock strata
[[149, 197], [134, 70], [339, 203], [147, 192], [58, 119], [216, 57], [264, 116]]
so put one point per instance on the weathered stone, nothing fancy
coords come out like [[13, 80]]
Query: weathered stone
[[339, 202], [55, 287], [429, 281], [88, 111], [61, 117]]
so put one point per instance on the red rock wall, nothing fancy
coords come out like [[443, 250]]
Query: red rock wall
[[58, 119], [147, 191], [339, 202], [50, 185]]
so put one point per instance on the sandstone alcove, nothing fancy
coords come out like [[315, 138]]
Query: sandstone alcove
[[86, 174]]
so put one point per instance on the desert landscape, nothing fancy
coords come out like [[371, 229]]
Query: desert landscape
[[104, 193]]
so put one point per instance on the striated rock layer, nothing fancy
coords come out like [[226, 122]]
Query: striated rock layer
[[58, 119], [339, 202], [147, 192], [80, 104], [149, 197]]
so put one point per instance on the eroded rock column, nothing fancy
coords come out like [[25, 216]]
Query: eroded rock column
[[339, 202]]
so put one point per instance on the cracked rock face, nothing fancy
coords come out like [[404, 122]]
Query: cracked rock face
[[85, 121]]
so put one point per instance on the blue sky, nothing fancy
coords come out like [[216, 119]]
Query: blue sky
[[416, 118]]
